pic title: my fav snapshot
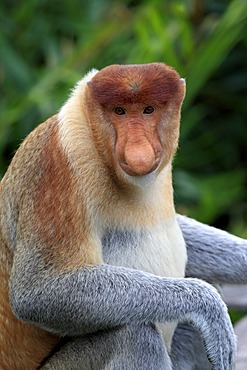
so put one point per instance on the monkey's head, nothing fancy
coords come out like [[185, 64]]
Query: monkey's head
[[138, 110]]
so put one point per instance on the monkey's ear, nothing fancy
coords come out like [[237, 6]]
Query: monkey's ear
[[182, 82], [88, 82]]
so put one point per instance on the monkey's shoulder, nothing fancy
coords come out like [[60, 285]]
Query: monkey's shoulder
[[32, 158], [27, 168], [29, 152]]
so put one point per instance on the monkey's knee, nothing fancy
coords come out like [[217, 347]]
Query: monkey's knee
[[136, 347], [145, 348], [68, 357], [125, 348], [92, 352]]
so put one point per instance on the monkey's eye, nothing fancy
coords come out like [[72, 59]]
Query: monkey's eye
[[148, 110], [119, 111]]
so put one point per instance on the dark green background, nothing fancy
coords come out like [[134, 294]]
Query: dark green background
[[46, 46]]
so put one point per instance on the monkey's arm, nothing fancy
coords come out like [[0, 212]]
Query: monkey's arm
[[214, 255], [89, 299]]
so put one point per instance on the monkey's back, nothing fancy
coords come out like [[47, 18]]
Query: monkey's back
[[22, 345]]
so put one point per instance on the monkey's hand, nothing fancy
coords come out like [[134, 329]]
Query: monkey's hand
[[212, 320], [101, 297]]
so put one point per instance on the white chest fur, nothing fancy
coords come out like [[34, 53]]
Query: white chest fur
[[159, 250]]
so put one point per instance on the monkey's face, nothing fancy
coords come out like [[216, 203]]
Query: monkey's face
[[138, 146], [141, 105]]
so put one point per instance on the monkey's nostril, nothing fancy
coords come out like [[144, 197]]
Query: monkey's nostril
[[157, 150], [124, 165]]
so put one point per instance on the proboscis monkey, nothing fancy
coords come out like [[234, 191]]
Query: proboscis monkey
[[93, 260]]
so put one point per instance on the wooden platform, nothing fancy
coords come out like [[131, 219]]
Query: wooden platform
[[236, 298], [241, 332]]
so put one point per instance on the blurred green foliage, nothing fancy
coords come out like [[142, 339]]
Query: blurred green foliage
[[46, 46]]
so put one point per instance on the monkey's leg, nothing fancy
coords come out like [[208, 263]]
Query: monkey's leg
[[214, 255], [188, 351], [124, 348]]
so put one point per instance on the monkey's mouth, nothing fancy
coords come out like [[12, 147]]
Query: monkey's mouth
[[140, 170]]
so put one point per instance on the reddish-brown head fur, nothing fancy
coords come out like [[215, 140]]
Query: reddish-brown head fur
[[130, 84], [142, 103]]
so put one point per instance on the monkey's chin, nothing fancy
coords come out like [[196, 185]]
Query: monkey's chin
[[128, 170], [141, 181]]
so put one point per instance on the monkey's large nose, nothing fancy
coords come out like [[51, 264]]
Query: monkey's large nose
[[139, 160]]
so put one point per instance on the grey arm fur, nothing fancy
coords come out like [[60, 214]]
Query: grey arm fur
[[103, 297], [214, 255]]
